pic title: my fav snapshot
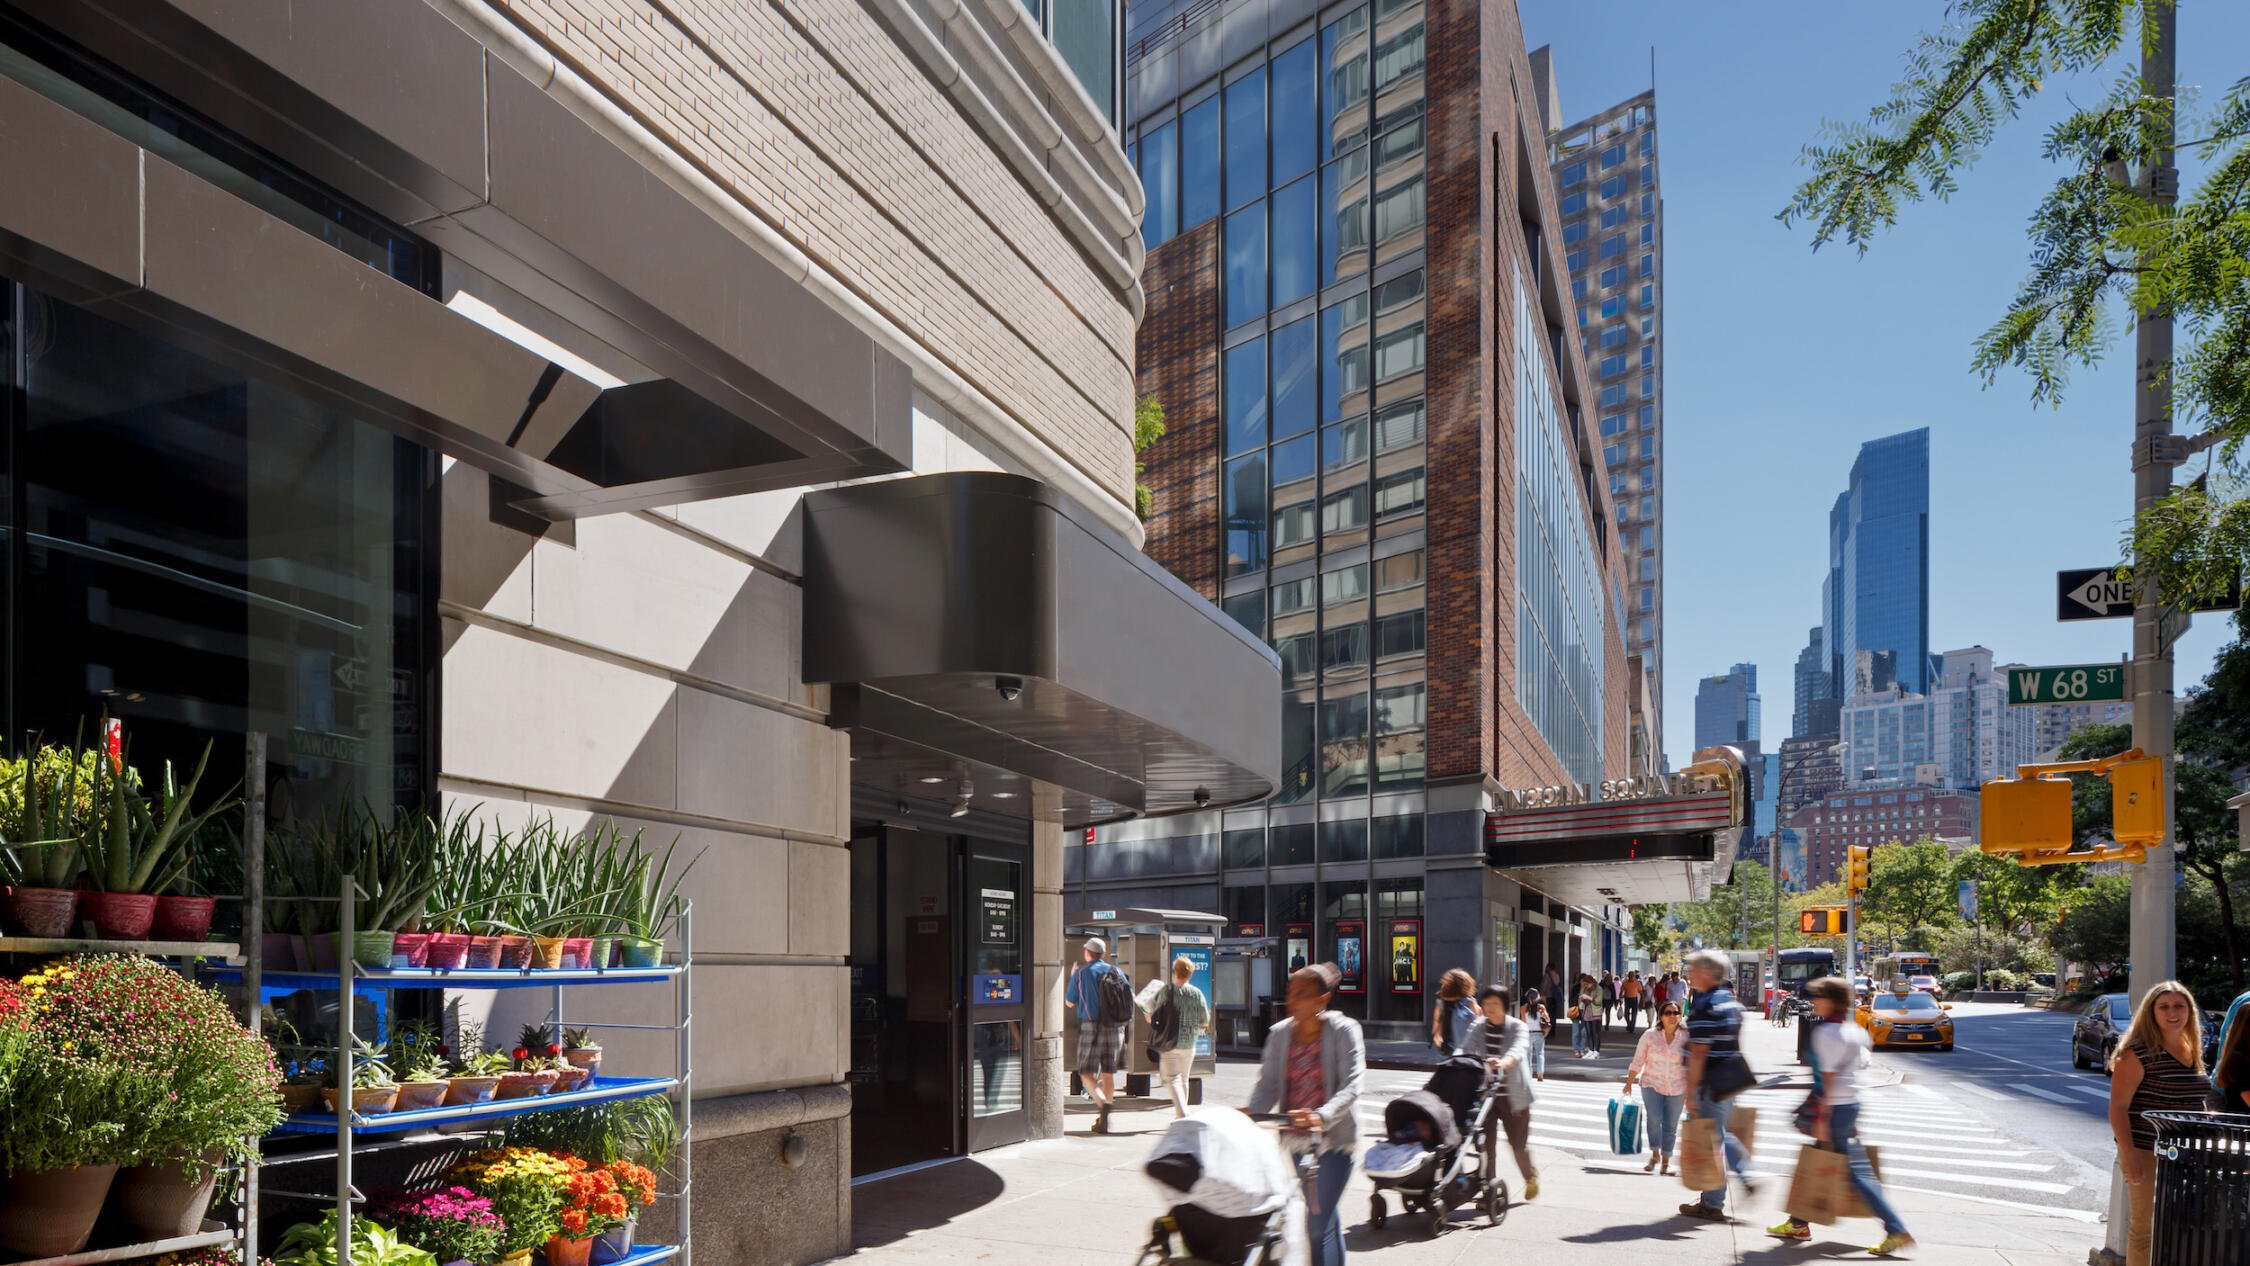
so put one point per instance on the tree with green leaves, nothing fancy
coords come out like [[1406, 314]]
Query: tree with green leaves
[[1652, 932], [2095, 928], [1148, 428], [2101, 234], [1747, 901], [1910, 885]]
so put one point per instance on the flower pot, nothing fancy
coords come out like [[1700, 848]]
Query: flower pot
[[515, 952], [462, 1090], [586, 1057], [638, 951], [366, 1100], [120, 916], [571, 1078], [410, 949], [416, 1095], [521, 1257], [183, 919], [605, 951], [369, 949], [51, 1213], [280, 950], [545, 1079], [319, 952], [578, 952], [447, 951], [547, 952], [564, 1251], [615, 1243], [50, 912], [158, 1202], [484, 951], [518, 1085], [299, 1098]]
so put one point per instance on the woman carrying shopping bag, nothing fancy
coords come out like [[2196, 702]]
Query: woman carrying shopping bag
[[1838, 1048], [1535, 1018], [1660, 1066]]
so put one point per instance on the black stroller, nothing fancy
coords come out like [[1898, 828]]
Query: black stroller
[[1433, 1153]]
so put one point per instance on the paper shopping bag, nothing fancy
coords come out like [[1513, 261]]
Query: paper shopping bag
[[1854, 1207], [1818, 1189], [1702, 1168], [1743, 1124]]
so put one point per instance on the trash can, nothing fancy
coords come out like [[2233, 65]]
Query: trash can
[[2202, 1189]]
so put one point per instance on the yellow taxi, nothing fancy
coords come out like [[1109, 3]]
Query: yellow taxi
[[1907, 1017]]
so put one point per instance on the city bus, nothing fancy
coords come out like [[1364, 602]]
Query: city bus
[[1801, 966], [1903, 965]]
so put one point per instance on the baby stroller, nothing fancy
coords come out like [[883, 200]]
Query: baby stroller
[[1433, 1151], [1236, 1198]]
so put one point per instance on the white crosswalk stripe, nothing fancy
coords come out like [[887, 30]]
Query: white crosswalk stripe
[[2026, 1088], [1922, 1135], [2100, 1092]]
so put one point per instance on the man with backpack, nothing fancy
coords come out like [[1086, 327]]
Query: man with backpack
[[1104, 1000], [1177, 1015]]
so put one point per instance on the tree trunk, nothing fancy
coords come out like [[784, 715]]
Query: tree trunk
[[2218, 877]]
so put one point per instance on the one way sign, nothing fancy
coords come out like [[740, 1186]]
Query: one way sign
[[2092, 594], [2096, 593]]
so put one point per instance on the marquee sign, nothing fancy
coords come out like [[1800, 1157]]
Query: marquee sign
[[1706, 796]]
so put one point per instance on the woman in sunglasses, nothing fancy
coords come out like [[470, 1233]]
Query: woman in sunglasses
[[1660, 1066]]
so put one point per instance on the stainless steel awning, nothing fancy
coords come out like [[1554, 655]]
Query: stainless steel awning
[[1627, 842], [984, 617]]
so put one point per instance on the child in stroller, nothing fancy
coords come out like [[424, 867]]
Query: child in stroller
[[1236, 1196], [1433, 1149]]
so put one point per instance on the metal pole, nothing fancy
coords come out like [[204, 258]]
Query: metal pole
[[2154, 456], [343, 1071], [684, 1010], [253, 941]]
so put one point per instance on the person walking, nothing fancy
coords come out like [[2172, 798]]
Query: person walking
[[1313, 1064], [2230, 1077], [1578, 1022], [2157, 1067], [1454, 1013], [1632, 989], [1839, 1047], [1551, 988], [1590, 1008], [1714, 1025], [1194, 1011], [1540, 1024], [1503, 1041], [1660, 1066], [1099, 1042], [1610, 996]]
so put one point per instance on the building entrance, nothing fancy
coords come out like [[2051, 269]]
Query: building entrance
[[940, 1017]]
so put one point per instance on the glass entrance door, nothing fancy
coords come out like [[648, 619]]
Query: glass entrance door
[[906, 999], [997, 905]]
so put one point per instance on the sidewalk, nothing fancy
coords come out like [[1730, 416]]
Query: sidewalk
[[1081, 1200], [1772, 1052]]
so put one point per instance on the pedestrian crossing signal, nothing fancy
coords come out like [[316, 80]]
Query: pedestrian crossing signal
[[2028, 817], [1821, 921]]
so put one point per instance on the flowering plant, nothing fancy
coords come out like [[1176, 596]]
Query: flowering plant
[[634, 1182], [592, 1202], [153, 1067], [526, 1187], [454, 1223]]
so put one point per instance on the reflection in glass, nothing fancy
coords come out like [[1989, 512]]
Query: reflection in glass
[[1246, 512], [1246, 137], [1296, 111], [1399, 724], [1343, 444], [1246, 264], [1160, 185], [996, 1075], [1294, 230], [1246, 395], [1344, 370], [1294, 401], [1248, 610], [1343, 232], [1199, 163], [1343, 56], [1343, 742], [1344, 841]]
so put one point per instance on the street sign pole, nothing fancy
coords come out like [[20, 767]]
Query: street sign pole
[[2154, 456]]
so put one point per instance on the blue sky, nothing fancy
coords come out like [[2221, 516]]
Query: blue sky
[[1780, 362]]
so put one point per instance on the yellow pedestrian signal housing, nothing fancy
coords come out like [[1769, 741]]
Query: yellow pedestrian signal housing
[[1856, 866], [1821, 921], [2028, 817]]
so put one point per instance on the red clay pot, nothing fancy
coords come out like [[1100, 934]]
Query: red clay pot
[[182, 918], [515, 952], [49, 912], [484, 951], [52, 1213], [410, 949], [120, 916], [578, 952], [447, 951], [563, 1251]]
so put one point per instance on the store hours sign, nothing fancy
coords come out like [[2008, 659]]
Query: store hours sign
[[998, 919]]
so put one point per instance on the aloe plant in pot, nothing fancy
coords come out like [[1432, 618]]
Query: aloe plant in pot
[[373, 1089], [649, 903], [48, 805], [140, 847]]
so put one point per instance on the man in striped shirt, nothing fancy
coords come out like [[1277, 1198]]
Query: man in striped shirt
[[1714, 1025]]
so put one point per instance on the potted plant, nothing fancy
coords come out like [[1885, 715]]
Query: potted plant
[[373, 1089], [463, 890], [456, 1225], [538, 1052], [478, 1077], [592, 1207], [650, 903], [580, 1049], [428, 1076], [642, 1130], [184, 914], [301, 1090], [62, 1127], [195, 1087], [526, 1188], [140, 845], [372, 1244], [50, 805], [636, 1186]]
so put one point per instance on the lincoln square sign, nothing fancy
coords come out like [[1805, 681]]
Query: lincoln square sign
[[1708, 796]]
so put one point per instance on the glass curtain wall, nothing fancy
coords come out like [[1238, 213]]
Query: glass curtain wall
[[1311, 156]]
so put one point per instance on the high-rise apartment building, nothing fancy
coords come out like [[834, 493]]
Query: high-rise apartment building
[[1381, 457], [1607, 175], [1815, 684], [1959, 735], [1727, 708], [1877, 594], [2054, 723], [1872, 817]]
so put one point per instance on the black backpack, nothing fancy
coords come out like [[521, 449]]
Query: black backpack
[[1114, 997], [1164, 1026]]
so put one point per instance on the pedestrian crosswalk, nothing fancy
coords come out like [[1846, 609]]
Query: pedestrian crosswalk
[[1926, 1140]]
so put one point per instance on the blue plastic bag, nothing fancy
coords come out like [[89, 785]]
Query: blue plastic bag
[[1624, 1126]]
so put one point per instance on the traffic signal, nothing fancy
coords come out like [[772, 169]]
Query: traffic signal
[[2136, 801], [1821, 921], [2028, 817], [1855, 870]]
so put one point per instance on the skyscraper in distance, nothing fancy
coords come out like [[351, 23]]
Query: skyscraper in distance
[[1727, 708], [1877, 594]]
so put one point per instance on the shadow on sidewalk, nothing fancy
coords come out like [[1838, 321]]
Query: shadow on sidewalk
[[1668, 1228], [887, 1211]]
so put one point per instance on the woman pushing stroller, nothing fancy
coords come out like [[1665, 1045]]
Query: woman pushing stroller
[[1312, 1069], [1504, 1043]]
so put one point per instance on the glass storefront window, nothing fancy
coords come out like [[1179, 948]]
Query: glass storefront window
[[200, 553], [1344, 841], [1245, 850], [1300, 754], [1292, 845], [996, 1074], [1399, 835], [1343, 741]]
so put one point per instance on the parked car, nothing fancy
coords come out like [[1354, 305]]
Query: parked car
[[2046, 978], [2094, 1037], [1907, 1019], [1928, 985]]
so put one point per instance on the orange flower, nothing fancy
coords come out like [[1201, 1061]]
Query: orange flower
[[611, 1206], [574, 1223]]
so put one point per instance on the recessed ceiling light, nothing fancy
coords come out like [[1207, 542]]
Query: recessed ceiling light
[[934, 778], [1003, 795]]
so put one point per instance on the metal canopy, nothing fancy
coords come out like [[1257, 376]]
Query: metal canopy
[[984, 617], [1139, 916], [1617, 870]]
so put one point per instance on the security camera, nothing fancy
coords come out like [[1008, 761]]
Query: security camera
[[961, 796], [1010, 688], [1202, 797]]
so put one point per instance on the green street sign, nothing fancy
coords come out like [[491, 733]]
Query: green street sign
[[2066, 683]]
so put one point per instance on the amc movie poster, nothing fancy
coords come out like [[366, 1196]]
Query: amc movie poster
[[1351, 953], [1406, 956]]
